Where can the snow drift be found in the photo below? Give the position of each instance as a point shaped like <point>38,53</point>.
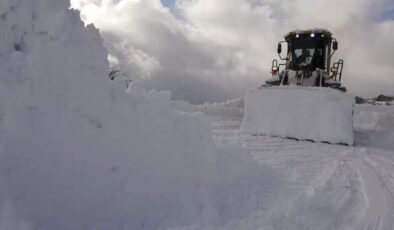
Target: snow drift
<point>79,153</point>
<point>375,126</point>
<point>306,113</point>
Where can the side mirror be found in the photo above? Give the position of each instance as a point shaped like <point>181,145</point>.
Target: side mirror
<point>335,45</point>
<point>279,48</point>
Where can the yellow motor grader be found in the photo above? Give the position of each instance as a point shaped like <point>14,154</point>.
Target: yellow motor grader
<point>304,99</point>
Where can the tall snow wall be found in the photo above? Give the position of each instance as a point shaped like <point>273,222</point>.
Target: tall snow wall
<point>77,152</point>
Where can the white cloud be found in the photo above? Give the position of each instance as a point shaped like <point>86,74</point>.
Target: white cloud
<point>216,50</point>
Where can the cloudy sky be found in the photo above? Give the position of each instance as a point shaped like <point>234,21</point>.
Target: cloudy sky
<point>214,50</point>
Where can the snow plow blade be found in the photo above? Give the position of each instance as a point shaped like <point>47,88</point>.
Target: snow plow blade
<point>304,113</point>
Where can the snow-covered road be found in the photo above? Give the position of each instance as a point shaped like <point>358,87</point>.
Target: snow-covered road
<point>322,186</point>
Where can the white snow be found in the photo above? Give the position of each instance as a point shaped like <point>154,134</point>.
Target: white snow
<point>306,113</point>
<point>78,152</point>
<point>312,30</point>
<point>375,126</point>
<point>322,186</point>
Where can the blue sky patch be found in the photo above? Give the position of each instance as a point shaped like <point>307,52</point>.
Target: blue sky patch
<point>169,3</point>
<point>388,14</point>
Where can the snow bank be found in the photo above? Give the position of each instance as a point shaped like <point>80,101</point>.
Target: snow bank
<point>374,126</point>
<point>318,114</point>
<point>232,109</point>
<point>79,153</point>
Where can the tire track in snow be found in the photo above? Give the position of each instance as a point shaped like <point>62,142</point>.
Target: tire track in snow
<point>313,169</point>
<point>374,171</point>
<point>379,200</point>
<point>385,169</point>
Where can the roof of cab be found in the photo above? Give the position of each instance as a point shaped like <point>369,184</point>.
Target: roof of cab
<point>309,31</point>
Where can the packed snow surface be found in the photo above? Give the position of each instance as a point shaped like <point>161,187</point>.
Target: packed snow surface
<point>306,113</point>
<point>320,186</point>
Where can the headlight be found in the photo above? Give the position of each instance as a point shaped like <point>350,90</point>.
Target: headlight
<point>275,69</point>
<point>334,69</point>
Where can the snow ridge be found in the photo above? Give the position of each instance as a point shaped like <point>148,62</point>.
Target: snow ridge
<point>80,153</point>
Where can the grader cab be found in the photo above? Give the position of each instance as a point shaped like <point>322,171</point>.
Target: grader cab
<point>308,60</point>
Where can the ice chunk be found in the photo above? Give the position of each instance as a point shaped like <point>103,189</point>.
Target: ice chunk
<point>306,113</point>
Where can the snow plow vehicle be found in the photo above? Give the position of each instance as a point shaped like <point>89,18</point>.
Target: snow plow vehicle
<point>305,100</point>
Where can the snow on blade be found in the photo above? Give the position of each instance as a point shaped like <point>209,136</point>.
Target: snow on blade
<point>317,114</point>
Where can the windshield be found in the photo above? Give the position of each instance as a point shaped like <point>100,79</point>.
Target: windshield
<point>307,54</point>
